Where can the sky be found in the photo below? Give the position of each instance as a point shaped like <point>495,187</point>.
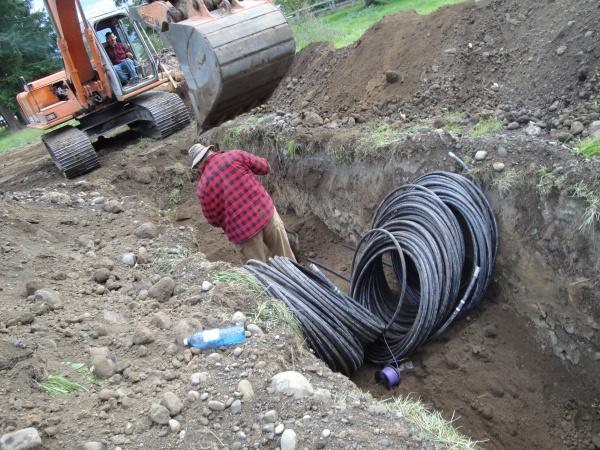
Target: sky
<point>92,8</point>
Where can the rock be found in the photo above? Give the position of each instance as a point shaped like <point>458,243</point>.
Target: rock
<point>246,389</point>
<point>185,328</point>
<point>236,407</point>
<point>216,405</point>
<point>162,290</point>
<point>159,414</point>
<point>93,446</point>
<point>561,50</point>
<point>174,425</point>
<point>502,152</point>
<point>24,439</point>
<point>32,286</point>
<point>498,166</point>
<point>161,320</point>
<point>102,362</point>
<point>146,231</point>
<point>312,119</point>
<point>172,403</point>
<point>199,378</point>
<point>292,383</point>
<point>513,125</point>
<point>576,128</point>
<point>52,298</point>
<point>533,130</point>
<point>206,286</point>
<point>112,206</point>
<point>480,155</point>
<point>255,330</point>
<point>238,318</point>
<point>322,396</point>
<point>289,440</point>
<point>101,275</point>
<point>142,335</point>
<point>128,259</point>
<point>391,76</point>
<point>271,416</point>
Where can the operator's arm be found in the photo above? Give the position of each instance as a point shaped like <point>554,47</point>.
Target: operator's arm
<point>258,165</point>
<point>124,48</point>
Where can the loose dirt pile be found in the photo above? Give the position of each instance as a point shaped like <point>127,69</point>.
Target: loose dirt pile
<point>534,67</point>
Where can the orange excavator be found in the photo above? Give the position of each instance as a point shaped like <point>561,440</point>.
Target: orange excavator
<point>233,55</point>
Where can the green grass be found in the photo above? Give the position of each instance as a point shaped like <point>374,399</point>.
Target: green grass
<point>591,215</point>
<point>59,385</point>
<point>432,424</point>
<point>274,312</point>
<point>347,25</point>
<point>485,127</point>
<point>587,148</point>
<point>10,141</point>
<point>169,260</point>
<point>506,181</point>
<point>239,278</point>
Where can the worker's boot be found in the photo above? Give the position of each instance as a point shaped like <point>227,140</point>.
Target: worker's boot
<point>294,243</point>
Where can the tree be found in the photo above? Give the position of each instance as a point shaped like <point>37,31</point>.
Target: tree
<point>27,48</point>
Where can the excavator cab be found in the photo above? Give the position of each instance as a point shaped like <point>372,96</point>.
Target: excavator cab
<point>130,35</point>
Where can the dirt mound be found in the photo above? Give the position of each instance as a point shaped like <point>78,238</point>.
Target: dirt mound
<point>537,60</point>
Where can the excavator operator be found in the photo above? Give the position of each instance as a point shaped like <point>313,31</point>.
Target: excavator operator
<point>121,57</point>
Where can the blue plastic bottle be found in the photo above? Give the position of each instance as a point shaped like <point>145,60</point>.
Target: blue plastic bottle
<point>216,337</point>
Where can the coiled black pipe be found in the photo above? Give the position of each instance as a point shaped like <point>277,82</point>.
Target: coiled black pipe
<point>442,238</point>
<point>335,326</point>
<point>449,239</point>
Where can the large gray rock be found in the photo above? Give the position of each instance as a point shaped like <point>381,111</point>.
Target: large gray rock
<point>292,383</point>
<point>146,231</point>
<point>162,290</point>
<point>25,439</point>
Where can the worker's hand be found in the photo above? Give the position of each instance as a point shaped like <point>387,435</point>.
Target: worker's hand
<point>129,55</point>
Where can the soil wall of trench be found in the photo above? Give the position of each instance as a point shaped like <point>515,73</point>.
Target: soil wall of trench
<point>547,265</point>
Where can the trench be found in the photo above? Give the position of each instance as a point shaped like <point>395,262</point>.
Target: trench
<point>497,373</point>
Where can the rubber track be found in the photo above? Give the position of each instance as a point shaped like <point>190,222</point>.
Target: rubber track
<point>71,151</point>
<point>167,110</point>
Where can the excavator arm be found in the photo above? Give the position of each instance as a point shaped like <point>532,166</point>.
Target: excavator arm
<point>233,55</point>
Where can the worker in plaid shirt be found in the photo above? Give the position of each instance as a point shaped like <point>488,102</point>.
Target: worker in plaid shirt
<point>232,198</point>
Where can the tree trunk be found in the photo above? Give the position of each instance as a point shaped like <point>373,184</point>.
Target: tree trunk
<point>9,117</point>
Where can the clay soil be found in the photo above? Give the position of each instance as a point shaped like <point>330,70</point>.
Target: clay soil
<point>489,372</point>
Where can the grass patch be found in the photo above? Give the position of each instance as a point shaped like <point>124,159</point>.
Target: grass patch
<point>505,181</point>
<point>485,127</point>
<point>587,148</point>
<point>432,424</point>
<point>453,130</point>
<point>58,385</point>
<point>451,115</point>
<point>591,215</point>
<point>547,181</point>
<point>273,312</point>
<point>12,141</point>
<point>382,135</point>
<point>238,278</point>
<point>293,147</point>
<point>347,25</point>
<point>175,197</point>
<point>170,258</point>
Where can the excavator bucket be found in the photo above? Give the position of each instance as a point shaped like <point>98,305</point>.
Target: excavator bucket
<point>232,58</point>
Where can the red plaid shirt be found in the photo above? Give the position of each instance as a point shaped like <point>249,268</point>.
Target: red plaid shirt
<point>231,196</point>
<point>117,53</point>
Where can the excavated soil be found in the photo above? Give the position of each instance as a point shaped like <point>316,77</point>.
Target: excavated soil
<point>521,371</point>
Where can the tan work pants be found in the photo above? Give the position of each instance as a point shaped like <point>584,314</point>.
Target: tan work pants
<point>273,235</point>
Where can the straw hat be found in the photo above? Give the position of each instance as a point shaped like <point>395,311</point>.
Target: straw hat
<point>197,152</point>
